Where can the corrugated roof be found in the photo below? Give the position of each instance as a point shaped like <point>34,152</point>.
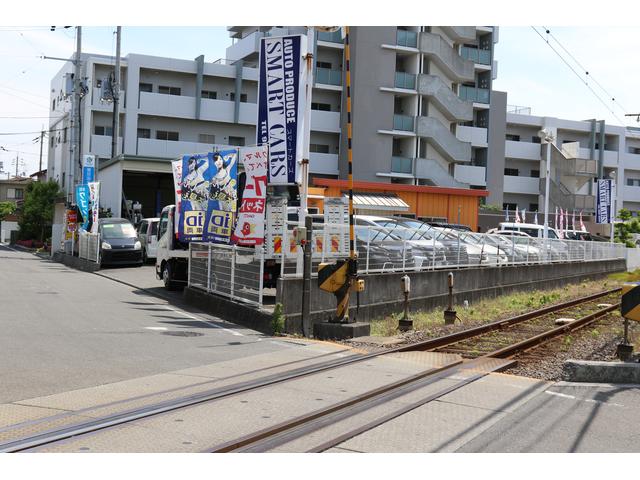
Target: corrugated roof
<point>379,201</point>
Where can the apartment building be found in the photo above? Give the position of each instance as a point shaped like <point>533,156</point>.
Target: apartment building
<point>421,102</point>
<point>582,152</point>
<point>421,98</point>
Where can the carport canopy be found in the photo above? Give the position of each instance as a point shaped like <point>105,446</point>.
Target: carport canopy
<point>379,201</point>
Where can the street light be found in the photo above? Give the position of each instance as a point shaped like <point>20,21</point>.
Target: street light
<point>546,136</point>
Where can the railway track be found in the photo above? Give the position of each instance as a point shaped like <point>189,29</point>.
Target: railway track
<point>475,367</point>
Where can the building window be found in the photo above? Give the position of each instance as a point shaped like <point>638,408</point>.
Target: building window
<point>243,97</point>
<point>323,65</point>
<point>164,135</point>
<point>633,150</point>
<point>570,141</point>
<point>513,138</point>
<point>100,130</point>
<point>144,133</point>
<point>211,95</point>
<point>145,87</point>
<point>63,179</point>
<point>169,90</point>
<point>509,206</point>
<point>236,141</point>
<point>533,207</point>
<point>54,105</point>
<point>64,135</point>
<point>325,107</point>
<point>633,182</point>
<point>52,140</point>
<point>18,194</point>
<point>317,148</point>
<point>206,138</point>
<point>536,139</point>
<point>511,172</point>
<point>535,173</point>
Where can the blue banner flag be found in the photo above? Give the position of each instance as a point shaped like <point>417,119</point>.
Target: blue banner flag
<point>196,178</point>
<point>82,200</point>
<point>603,207</point>
<point>281,102</point>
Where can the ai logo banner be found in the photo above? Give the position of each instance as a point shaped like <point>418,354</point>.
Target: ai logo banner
<point>88,168</point>
<point>281,101</point>
<point>603,207</point>
<point>209,195</point>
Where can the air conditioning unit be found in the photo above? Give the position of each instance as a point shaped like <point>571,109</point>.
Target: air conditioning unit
<point>68,85</point>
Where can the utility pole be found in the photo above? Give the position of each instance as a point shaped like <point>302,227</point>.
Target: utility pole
<point>41,142</point>
<point>115,88</point>
<point>74,157</point>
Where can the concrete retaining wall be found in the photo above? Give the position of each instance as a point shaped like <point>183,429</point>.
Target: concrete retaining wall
<point>601,372</point>
<point>633,259</point>
<point>382,295</point>
<point>76,262</point>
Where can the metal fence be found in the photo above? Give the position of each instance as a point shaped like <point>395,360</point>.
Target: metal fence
<point>227,270</point>
<point>89,246</point>
<point>383,250</point>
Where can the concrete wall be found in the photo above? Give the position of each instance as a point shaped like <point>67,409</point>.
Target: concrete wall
<point>382,295</point>
<point>633,259</point>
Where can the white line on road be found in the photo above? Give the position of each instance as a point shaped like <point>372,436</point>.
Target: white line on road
<point>156,328</point>
<point>587,400</point>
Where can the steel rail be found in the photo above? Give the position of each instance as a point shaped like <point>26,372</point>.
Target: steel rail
<point>51,436</point>
<point>499,324</point>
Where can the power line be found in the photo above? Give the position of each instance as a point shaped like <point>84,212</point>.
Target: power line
<point>32,133</point>
<point>578,75</point>
<point>586,71</point>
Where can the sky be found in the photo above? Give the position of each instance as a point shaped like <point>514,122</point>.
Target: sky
<point>528,69</point>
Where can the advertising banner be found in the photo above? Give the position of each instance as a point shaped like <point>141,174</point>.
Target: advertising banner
<point>88,168</point>
<point>176,168</point>
<point>281,101</point>
<point>194,190</point>
<point>94,204</point>
<point>276,226</point>
<point>250,225</point>
<point>336,220</point>
<point>603,207</point>
<point>70,224</point>
<point>82,199</point>
<point>223,196</point>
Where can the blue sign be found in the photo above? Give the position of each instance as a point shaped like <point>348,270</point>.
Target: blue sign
<point>281,101</point>
<point>209,196</point>
<point>88,168</point>
<point>603,207</point>
<point>82,199</point>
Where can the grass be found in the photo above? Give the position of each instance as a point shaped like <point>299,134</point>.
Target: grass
<point>626,276</point>
<point>493,309</point>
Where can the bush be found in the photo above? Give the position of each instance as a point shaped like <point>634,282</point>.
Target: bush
<point>277,320</point>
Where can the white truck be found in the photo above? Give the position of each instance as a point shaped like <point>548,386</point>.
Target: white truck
<point>172,260</point>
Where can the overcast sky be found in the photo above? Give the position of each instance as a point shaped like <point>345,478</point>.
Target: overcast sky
<point>528,69</point>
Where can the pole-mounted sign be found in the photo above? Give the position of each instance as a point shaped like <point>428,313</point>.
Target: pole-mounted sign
<point>281,101</point>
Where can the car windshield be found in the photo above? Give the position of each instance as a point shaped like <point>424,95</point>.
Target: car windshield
<point>118,230</point>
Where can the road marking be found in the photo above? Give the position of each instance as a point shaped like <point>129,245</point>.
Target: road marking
<point>188,315</point>
<point>588,400</point>
<point>156,328</point>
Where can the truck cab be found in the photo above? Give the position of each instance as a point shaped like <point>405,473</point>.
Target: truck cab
<point>172,258</point>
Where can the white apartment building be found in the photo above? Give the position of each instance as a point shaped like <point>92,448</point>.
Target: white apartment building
<point>582,152</point>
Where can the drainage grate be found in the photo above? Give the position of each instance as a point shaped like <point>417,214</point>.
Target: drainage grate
<point>176,333</point>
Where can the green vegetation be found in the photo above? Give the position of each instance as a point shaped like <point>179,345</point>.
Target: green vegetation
<point>491,208</point>
<point>277,319</point>
<point>624,230</point>
<point>6,209</point>
<point>37,210</point>
<point>489,310</point>
<point>626,276</point>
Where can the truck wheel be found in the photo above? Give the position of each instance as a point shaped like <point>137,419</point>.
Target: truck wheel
<point>167,277</point>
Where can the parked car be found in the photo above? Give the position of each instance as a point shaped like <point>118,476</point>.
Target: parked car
<point>119,243</point>
<point>148,235</point>
<point>451,226</point>
<point>427,252</point>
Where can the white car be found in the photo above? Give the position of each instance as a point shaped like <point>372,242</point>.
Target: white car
<point>148,235</point>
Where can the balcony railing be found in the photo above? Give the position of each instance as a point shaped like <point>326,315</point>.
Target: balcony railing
<point>404,123</point>
<point>401,165</point>
<point>334,37</point>
<point>406,38</point>
<point>328,77</point>
<point>474,94</point>
<point>405,80</point>
<point>476,55</point>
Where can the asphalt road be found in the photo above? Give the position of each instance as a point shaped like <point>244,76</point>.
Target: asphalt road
<point>63,329</point>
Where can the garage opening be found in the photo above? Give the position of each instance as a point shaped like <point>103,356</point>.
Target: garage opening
<point>153,191</point>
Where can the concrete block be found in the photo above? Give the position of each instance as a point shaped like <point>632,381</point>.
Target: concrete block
<point>601,372</point>
<point>340,331</point>
<point>564,321</point>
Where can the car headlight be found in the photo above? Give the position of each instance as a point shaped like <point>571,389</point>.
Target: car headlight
<point>106,246</point>
<point>138,245</point>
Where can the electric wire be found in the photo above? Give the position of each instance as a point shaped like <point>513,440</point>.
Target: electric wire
<point>578,75</point>
<point>586,71</point>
